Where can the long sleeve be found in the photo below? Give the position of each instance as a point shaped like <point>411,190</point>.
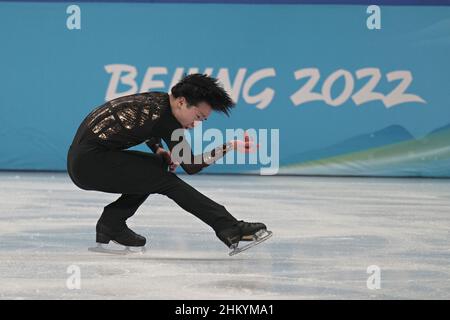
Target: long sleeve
<point>154,143</point>
<point>191,163</point>
<point>124,122</point>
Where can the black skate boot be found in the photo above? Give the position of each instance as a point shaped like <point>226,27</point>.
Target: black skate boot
<point>125,237</point>
<point>243,231</point>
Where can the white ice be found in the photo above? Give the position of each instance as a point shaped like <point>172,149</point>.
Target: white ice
<point>327,232</point>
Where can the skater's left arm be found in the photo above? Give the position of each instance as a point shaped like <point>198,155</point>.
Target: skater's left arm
<point>154,144</point>
<point>193,164</point>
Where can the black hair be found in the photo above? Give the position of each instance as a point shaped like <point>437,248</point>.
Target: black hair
<point>196,88</point>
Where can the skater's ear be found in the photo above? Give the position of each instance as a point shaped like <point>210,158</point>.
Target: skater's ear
<point>180,101</point>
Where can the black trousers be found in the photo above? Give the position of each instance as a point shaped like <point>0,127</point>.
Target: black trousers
<point>136,175</point>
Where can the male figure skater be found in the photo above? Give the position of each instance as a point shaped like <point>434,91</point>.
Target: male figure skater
<point>97,159</point>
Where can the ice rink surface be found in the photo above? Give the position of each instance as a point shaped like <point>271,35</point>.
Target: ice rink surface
<point>327,232</point>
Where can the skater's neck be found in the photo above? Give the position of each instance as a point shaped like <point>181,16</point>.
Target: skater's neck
<point>172,103</point>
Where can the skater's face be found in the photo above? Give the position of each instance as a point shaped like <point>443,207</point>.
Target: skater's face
<point>189,116</point>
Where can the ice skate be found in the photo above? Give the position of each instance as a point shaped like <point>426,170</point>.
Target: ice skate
<point>127,240</point>
<point>244,231</point>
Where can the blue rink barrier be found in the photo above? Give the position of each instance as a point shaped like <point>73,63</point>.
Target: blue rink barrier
<point>346,96</point>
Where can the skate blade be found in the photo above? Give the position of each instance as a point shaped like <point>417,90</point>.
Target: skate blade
<point>102,248</point>
<point>259,237</point>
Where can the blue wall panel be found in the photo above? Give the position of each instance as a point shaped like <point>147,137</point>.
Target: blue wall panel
<point>345,99</point>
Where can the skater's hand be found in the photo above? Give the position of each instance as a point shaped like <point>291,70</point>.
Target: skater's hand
<point>165,154</point>
<point>246,146</point>
<point>173,166</point>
